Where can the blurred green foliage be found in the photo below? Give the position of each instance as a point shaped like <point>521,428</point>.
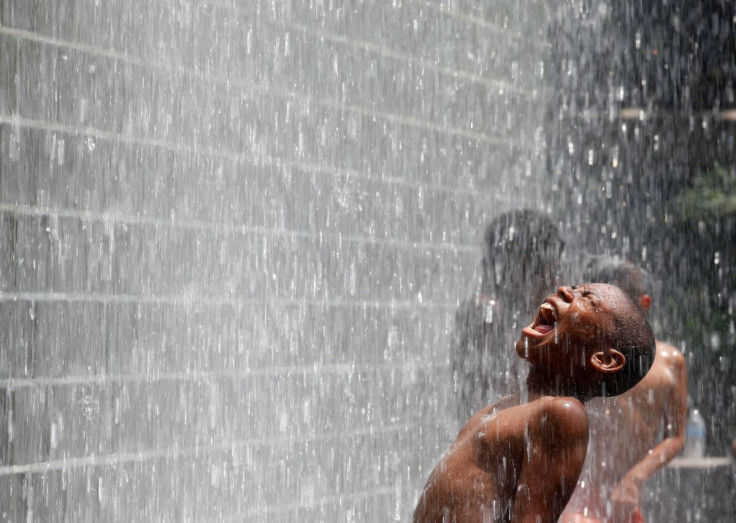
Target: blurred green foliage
<point>711,197</point>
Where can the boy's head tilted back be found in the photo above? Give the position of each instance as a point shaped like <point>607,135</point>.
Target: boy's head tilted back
<point>592,337</point>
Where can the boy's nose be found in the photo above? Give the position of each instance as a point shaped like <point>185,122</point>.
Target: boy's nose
<point>565,292</point>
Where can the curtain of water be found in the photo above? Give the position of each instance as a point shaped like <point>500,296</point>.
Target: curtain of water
<point>233,235</point>
<point>232,239</point>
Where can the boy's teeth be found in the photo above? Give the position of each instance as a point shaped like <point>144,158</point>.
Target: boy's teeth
<point>548,312</point>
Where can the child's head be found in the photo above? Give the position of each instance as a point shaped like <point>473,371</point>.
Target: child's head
<point>521,246</point>
<point>592,335</point>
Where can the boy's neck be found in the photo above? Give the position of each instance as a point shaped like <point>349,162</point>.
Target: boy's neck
<point>539,383</point>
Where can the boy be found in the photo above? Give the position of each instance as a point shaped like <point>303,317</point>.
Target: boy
<point>519,459</point>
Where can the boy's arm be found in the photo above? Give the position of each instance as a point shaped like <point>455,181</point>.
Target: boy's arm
<point>555,451</point>
<point>674,417</point>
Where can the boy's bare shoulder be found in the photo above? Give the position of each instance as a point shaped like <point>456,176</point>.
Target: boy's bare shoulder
<point>670,354</point>
<point>667,371</point>
<point>551,418</point>
<point>563,417</point>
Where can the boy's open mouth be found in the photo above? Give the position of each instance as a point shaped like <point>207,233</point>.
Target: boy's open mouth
<point>545,321</point>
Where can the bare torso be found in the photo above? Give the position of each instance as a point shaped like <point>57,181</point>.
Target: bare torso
<point>492,472</point>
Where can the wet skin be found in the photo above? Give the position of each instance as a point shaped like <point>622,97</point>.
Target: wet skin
<point>520,461</point>
<point>511,462</point>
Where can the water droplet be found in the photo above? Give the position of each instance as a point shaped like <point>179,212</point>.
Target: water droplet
<point>54,436</point>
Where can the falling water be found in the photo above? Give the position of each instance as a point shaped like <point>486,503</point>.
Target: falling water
<point>234,235</point>
<point>640,138</point>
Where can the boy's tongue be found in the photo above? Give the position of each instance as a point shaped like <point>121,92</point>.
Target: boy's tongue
<point>543,329</point>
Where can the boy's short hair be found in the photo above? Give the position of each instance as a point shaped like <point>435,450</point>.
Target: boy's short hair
<point>632,336</point>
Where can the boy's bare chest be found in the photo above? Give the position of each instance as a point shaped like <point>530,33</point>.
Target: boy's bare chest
<point>501,443</point>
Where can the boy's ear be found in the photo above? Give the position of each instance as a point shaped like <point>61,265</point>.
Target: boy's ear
<point>608,361</point>
<point>645,301</point>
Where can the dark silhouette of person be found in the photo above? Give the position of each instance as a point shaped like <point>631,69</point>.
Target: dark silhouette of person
<point>635,434</point>
<point>519,459</point>
<point>521,257</point>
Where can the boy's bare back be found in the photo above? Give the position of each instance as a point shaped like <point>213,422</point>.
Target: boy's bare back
<point>510,462</point>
